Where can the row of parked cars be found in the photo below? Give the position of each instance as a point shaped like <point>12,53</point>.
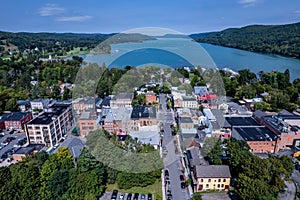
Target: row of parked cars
<point>168,185</point>
<point>135,196</point>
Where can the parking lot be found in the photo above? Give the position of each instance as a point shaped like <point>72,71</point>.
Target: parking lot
<point>8,144</point>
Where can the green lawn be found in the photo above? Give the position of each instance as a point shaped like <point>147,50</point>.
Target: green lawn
<point>155,189</point>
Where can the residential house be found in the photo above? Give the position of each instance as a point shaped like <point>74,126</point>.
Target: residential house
<point>26,151</point>
<point>87,122</point>
<point>143,116</point>
<point>211,177</point>
<point>40,104</point>
<point>121,100</point>
<point>151,97</point>
<point>23,105</point>
<point>189,102</point>
<point>186,123</point>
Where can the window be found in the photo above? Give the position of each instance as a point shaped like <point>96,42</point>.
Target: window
<point>207,185</point>
<point>219,180</point>
<point>209,180</point>
<point>218,186</point>
<point>224,180</point>
<point>201,180</point>
<point>222,185</point>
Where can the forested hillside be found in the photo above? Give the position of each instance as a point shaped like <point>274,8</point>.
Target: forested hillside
<point>275,39</point>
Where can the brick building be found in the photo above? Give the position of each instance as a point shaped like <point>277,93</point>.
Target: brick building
<point>14,120</point>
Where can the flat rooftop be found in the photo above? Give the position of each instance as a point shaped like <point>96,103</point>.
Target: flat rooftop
<point>47,117</point>
<point>241,121</point>
<point>254,134</point>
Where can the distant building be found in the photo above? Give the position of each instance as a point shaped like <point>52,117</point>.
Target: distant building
<point>122,100</point>
<point>23,105</point>
<point>51,125</point>
<point>26,151</point>
<point>211,177</point>
<point>186,123</point>
<point>14,120</point>
<point>39,104</point>
<point>142,116</point>
<point>87,123</point>
<point>87,104</point>
<point>189,102</point>
<point>151,97</point>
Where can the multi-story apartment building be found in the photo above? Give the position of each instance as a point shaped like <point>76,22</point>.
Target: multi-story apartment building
<point>51,125</point>
<point>142,116</point>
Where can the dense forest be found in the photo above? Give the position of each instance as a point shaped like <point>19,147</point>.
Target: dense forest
<point>272,39</point>
<point>61,176</point>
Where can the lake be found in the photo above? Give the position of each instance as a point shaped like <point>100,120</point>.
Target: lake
<point>178,52</point>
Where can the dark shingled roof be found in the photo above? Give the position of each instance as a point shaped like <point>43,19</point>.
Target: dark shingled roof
<point>74,145</point>
<point>241,121</point>
<point>47,117</point>
<point>259,114</point>
<point>212,171</point>
<point>143,112</point>
<point>186,120</point>
<point>14,116</point>
<point>254,134</point>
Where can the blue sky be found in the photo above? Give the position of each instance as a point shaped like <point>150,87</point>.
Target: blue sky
<point>186,16</point>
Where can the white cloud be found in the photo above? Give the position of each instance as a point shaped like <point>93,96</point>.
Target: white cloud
<point>247,3</point>
<point>50,10</point>
<point>74,18</point>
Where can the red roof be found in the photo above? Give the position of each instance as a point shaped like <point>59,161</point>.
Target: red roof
<point>207,97</point>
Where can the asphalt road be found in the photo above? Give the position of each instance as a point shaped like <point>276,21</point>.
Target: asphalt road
<point>171,159</point>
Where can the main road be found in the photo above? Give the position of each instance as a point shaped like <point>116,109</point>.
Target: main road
<point>171,158</point>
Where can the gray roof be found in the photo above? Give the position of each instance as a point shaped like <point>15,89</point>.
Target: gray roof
<point>212,171</point>
<point>194,156</point>
<point>186,120</point>
<point>124,96</point>
<point>143,112</point>
<point>285,112</point>
<point>74,145</point>
<point>259,114</point>
<point>200,90</point>
<point>14,116</point>
<point>188,98</point>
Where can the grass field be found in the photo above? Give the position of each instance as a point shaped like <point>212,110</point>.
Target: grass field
<point>155,189</point>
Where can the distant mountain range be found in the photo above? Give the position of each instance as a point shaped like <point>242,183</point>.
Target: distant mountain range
<point>273,39</point>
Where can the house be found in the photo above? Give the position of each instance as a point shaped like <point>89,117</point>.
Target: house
<point>189,102</point>
<point>39,104</point>
<point>26,151</point>
<point>87,104</point>
<point>151,97</point>
<point>87,122</point>
<point>142,116</point>
<point>50,126</point>
<point>200,90</point>
<point>23,105</point>
<point>121,100</point>
<point>15,120</point>
<point>211,177</point>
<point>186,123</point>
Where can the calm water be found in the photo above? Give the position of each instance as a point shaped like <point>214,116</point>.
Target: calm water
<point>178,52</point>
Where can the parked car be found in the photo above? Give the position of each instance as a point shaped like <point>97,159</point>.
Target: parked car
<point>5,143</point>
<point>143,197</point>
<point>11,138</point>
<point>182,184</point>
<point>129,196</point>
<point>114,195</point>
<point>150,197</point>
<point>166,172</point>
<point>122,196</point>
<point>136,196</point>
<point>181,178</point>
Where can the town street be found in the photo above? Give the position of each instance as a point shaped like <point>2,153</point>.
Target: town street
<point>171,158</point>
